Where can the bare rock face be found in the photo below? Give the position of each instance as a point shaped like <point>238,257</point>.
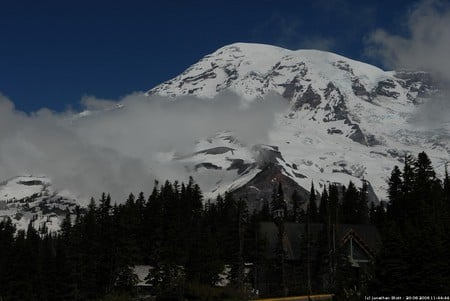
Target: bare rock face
<point>260,188</point>
<point>292,88</point>
<point>309,97</point>
<point>419,84</point>
<point>359,89</point>
<point>386,88</point>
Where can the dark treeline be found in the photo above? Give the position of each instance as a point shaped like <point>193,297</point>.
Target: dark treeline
<point>415,254</point>
<point>171,230</point>
<point>188,241</point>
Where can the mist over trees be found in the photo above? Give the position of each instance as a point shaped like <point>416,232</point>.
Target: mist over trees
<point>188,241</point>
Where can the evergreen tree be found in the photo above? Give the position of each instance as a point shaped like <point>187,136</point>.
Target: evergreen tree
<point>237,268</point>
<point>20,276</point>
<point>278,202</point>
<point>33,247</point>
<point>7,231</point>
<point>408,176</point>
<point>296,202</point>
<point>280,257</point>
<point>265,211</point>
<point>446,201</point>
<point>106,259</point>
<point>186,241</point>
<point>324,207</point>
<point>377,215</point>
<point>350,204</point>
<point>424,172</point>
<point>312,206</point>
<point>363,209</point>
<point>334,204</point>
<point>153,225</point>
<point>412,228</point>
<point>321,265</point>
<point>425,202</point>
<point>446,184</point>
<point>395,192</point>
<point>391,265</point>
<point>91,249</point>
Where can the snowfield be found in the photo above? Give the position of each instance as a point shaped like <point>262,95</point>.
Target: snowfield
<point>347,121</point>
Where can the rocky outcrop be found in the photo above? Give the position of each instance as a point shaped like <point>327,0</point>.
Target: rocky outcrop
<point>292,88</point>
<point>308,97</point>
<point>385,87</point>
<point>359,89</point>
<point>260,188</point>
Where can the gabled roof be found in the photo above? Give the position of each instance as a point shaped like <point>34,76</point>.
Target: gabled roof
<point>367,237</point>
<point>365,246</point>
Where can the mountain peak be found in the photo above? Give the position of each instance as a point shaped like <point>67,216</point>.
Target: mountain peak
<point>347,120</point>
<point>252,70</point>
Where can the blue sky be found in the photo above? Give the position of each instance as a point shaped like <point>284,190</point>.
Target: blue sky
<point>52,53</point>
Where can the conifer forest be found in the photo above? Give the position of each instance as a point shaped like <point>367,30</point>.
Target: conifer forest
<point>187,242</point>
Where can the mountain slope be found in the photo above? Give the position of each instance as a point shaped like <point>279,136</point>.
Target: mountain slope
<point>32,199</point>
<point>347,120</point>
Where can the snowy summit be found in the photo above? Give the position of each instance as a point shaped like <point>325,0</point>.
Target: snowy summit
<point>348,120</point>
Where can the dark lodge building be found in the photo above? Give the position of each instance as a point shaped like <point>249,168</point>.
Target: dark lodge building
<point>294,262</point>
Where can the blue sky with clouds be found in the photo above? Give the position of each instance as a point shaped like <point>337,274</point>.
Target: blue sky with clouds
<point>52,53</point>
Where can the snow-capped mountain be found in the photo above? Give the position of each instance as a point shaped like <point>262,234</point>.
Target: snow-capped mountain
<point>348,121</point>
<point>32,199</point>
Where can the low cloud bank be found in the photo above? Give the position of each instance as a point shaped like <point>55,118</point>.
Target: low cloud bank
<point>121,148</point>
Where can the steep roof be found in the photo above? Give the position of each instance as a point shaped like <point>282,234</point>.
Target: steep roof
<point>367,236</point>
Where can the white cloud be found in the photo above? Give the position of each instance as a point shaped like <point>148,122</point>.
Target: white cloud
<point>118,151</point>
<point>427,48</point>
<point>427,45</point>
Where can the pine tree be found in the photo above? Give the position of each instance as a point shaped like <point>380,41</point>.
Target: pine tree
<point>33,247</point>
<point>312,206</point>
<point>237,268</point>
<point>395,192</point>
<point>334,205</point>
<point>391,264</point>
<point>153,225</point>
<point>281,256</point>
<point>324,207</point>
<point>278,202</point>
<point>350,204</point>
<point>20,278</point>
<point>446,201</point>
<point>7,231</point>
<point>446,184</point>
<point>363,209</point>
<point>106,266</point>
<point>426,189</point>
<point>296,201</point>
<point>423,169</point>
<point>377,215</point>
<point>320,266</point>
<point>265,211</point>
<point>408,176</point>
<point>404,260</point>
<point>91,252</point>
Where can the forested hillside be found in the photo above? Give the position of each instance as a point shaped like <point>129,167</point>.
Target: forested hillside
<point>188,241</point>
